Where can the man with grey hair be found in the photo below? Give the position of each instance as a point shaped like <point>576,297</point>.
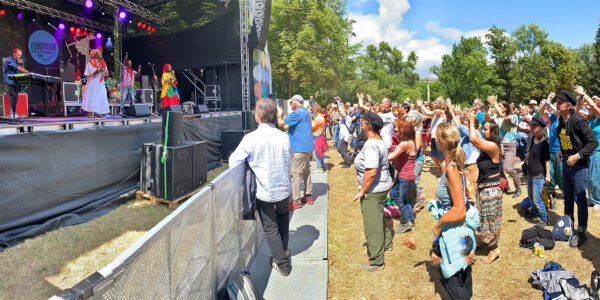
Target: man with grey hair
<point>267,151</point>
<point>302,144</point>
<point>477,110</point>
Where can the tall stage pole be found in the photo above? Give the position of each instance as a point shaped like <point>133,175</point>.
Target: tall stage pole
<point>117,46</point>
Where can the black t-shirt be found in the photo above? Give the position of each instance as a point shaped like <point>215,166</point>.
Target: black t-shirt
<point>538,155</point>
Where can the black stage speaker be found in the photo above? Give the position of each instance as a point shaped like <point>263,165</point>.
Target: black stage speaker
<point>176,173</point>
<point>138,110</point>
<point>149,168</point>
<point>70,92</point>
<point>144,83</point>
<point>67,73</point>
<point>199,162</point>
<point>230,139</point>
<point>202,108</point>
<point>175,132</point>
<point>173,108</point>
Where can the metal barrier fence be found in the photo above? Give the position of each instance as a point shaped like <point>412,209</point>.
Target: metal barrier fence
<point>189,254</point>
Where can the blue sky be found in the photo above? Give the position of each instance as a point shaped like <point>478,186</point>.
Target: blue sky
<point>430,27</point>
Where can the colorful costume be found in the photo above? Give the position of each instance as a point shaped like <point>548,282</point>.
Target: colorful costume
<point>95,98</point>
<point>169,90</point>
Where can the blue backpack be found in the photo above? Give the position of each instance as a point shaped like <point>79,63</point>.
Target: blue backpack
<point>563,229</point>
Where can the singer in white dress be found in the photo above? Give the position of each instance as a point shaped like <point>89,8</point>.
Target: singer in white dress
<point>95,100</point>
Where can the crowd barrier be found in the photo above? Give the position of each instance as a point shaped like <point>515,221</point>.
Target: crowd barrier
<point>188,255</point>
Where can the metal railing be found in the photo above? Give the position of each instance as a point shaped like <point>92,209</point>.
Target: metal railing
<point>189,254</point>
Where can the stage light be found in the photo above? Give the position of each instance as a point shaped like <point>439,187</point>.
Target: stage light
<point>89,3</point>
<point>19,15</point>
<point>61,26</point>
<point>122,15</point>
<point>98,35</point>
<point>139,24</point>
<point>90,34</point>
<point>130,21</point>
<point>78,31</point>
<point>72,29</point>
<point>153,29</point>
<point>149,28</point>
<point>85,32</point>
<point>2,12</point>
<point>144,26</point>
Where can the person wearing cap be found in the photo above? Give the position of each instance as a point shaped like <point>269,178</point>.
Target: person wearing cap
<point>533,108</point>
<point>577,143</point>
<point>302,145</point>
<point>593,187</point>
<point>374,182</point>
<point>538,169</point>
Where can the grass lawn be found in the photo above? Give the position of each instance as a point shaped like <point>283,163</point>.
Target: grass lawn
<point>42,266</point>
<point>408,274</point>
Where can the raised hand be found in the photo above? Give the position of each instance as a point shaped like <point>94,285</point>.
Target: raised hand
<point>579,90</point>
<point>550,97</point>
<point>492,99</point>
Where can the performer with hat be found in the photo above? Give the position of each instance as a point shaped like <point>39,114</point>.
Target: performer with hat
<point>95,100</point>
<point>169,93</point>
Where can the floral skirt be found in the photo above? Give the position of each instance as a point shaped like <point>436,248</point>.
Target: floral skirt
<point>489,204</point>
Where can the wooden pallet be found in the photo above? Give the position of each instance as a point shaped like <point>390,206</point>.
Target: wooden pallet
<point>139,195</point>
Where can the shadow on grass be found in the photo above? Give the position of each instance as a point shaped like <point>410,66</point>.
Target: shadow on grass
<point>435,277</point>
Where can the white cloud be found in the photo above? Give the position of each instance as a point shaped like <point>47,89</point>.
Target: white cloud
<point>387,26</point>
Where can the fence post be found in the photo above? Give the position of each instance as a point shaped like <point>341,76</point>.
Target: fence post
<point>213,252</point>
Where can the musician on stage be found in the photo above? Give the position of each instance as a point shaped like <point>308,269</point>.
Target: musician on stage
<point>95,101</point>
<point>11,86</point>
<point>127,82</point>
<point>169,93</point>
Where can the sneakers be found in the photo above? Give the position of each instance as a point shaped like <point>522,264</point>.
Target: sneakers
<point>308,199</point>
<point>293,205</point>
<point>578,239</point>
<point>404,227</point>
<point>275,266</point>
<point>368,267</point>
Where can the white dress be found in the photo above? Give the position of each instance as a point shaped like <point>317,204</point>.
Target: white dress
<point>95,98</point>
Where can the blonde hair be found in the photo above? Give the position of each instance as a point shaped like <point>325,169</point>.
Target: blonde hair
<point>448,137</point>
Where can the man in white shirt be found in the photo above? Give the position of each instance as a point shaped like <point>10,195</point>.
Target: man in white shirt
<point>268,153</point>
<point>345,136</point>
<point>388,122</point>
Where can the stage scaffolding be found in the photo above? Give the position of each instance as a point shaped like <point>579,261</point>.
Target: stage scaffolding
<point>245,52</point>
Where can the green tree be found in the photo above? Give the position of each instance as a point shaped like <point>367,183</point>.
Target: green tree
<point>594,71</point>
<point>532,76</point>
<point>503,52</point>
<point>563,63</point>
<point>308,44</point>
<point>465,73</point>
<point>584,57</point>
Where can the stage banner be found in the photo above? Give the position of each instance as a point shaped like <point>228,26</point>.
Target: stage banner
<point>43,50</point>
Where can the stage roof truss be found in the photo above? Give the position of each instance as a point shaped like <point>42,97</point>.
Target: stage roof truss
<point>149,3</point>
<point>135,9</point>
<point>44,10</point>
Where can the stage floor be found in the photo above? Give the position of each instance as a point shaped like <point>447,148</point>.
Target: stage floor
<point>42,124</point>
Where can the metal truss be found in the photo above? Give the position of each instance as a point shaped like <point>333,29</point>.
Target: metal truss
<point>135,9</point>
<point>43,10</point>
<point>148,3</point>
<point>245,52</point>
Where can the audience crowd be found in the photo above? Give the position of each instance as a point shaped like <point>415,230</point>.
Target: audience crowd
<point>471,151</point>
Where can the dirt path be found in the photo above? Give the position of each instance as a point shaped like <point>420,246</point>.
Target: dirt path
<point>409,275</point>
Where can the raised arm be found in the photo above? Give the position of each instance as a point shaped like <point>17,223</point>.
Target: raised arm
<point>480,143</point>
<point>590,103</point>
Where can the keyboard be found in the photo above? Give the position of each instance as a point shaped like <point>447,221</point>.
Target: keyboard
<point>39,78</point>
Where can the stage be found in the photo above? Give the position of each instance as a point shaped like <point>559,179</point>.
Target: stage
<point>65,171</point>
<point>37,124</point>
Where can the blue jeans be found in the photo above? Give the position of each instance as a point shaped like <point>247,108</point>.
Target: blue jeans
<point>127,93</point>
<point>336,135</point>
<point>398,193</point>
<point>574,183</point>
<point>353,142</point>
<point>534,191</point>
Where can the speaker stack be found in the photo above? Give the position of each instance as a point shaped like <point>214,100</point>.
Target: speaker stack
<point>176,170</point>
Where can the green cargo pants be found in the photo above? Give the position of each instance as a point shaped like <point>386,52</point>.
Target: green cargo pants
<point>378,235</point>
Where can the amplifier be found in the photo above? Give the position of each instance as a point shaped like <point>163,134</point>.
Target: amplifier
<point>70,92</point>
<point>144,96</point>
<point>230,139</point>
<point>199,163</point>
<point>22,106</point>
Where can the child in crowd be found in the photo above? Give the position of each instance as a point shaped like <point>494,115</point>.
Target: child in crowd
<point>538,169</point>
